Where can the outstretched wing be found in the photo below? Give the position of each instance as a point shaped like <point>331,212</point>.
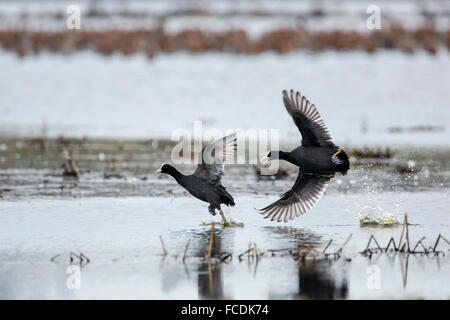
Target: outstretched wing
<point>308,120</point>
<point>213,158</point>
<point>306,192</point>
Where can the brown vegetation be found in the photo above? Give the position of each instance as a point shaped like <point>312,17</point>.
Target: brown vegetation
<point>281,41</point>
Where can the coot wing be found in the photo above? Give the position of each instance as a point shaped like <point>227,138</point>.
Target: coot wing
<point>305,193</point>
<point>213,157</point>
<point>308,120</point>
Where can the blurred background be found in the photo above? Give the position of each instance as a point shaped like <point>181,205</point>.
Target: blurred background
<point>141,69</point>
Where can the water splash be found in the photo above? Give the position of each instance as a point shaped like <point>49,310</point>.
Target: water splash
<point>376,215</point>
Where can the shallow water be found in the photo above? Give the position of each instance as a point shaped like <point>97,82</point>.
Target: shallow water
<point>116,220</point>
<point>120,237</point>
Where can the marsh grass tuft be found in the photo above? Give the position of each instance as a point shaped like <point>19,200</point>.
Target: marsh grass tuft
<point>403,245</point>
<point>229,223</point>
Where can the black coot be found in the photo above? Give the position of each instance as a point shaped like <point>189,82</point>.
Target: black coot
<point>318,159</point>
<point>205,184</point>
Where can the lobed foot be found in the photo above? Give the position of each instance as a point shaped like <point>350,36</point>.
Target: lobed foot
<point>225,222</point>
<point>212,210</point>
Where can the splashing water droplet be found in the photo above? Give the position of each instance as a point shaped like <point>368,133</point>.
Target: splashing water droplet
<point>376,215</point>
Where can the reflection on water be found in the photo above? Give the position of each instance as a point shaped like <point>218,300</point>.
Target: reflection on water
<point>132,266</point>
<point>210,277</point>
<point>291,236</point>
<point>208,271</point>
<point>210,281</point>
<point>315,277</point>
<point>316,281</point>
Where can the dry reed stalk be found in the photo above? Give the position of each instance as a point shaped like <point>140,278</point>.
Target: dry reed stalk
<point>389,244</point>
<point>243,253</point>
<point>210,276</point>
<point>298,251</point>
<point>407,232</point>
<point>224,257</point>
<point>324,250</point>
<point>72,164</point>
<point>448,242</point>
<point>418,242</point>
<point>405,279</point>
<point>436,243</point>
<point>375,240</point>
<point>163,246</point>
<point>186,249</point>
<point>345,243</point>
<point>54,257</point>
<point>208,255</point>
<point>424,249</point>
<point>403,231</point>
<point>72,254</point>
<point>85,258</point>
<point>402,249</point>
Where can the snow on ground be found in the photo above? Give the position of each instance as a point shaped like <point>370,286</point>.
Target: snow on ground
<point>221,15</point>
<point>86,94</point>
<point>221,6</point>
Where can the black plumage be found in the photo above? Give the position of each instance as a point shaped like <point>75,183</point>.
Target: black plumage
<point>205,184</point>
<point>318,159</point>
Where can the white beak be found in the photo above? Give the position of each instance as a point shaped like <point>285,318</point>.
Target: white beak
<point>265,161</point>
<point>158,171</point>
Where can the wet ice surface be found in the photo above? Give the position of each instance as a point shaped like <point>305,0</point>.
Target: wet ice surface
<point>116,220</point>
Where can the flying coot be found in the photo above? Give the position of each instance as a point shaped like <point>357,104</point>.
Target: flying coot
<point>205,184</point>
<point>318,159</point>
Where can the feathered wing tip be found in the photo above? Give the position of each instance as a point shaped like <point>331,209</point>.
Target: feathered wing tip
<point>230,146</point>
<point>304,195</point>
<point>307,118</point>
<point>213,158</point>
<point>221,150</point>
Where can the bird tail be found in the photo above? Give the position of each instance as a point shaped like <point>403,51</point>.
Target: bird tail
<point>344,164</point>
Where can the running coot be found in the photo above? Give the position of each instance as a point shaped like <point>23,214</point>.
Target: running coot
<point>205,184</point>
<point>318,159</point>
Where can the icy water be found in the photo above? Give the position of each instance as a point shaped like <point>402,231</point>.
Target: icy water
<point>364,98</point>
<point>116,212</point>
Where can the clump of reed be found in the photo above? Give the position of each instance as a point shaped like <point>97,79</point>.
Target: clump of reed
<point>210,256</point>
<point>302,252</point>
<point>283,40</point>
<point>404,245</point>
<point>372,153</point>
<point>74,258</point>
<point>279,175</point>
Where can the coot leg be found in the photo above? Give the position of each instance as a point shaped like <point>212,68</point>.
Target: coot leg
<point>211,210</point>
<point>224,220</point>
